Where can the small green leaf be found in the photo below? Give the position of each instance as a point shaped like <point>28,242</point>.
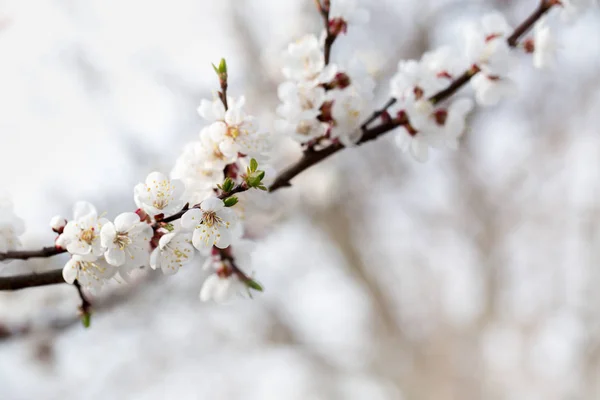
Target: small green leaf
<point>252,284</point>
<point>230,201</point>
<point>260,175</point>
<point>223,66</point>
<point>86,320</point>
<point>215,68</point>
<point>253,165</point>
<point>261,187</point>
<point>169,227</point>
<point>228,185</point>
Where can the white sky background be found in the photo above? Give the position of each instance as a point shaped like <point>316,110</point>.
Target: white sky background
<point>95,94</point>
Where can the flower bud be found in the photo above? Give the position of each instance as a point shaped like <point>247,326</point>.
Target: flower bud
<point>57,223</point>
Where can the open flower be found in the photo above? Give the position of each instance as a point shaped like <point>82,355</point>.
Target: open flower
<point>82,234</point>
<point>127,242</point>
<point>11,226</point>
<point>221,288</point>
<point>213,224</point>
<point>90,271</point>
<point>159,195</point>
<point>304,59</point>
<point>174,250</point>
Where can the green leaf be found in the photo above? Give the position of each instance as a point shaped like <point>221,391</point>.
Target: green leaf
<point>86,320</point>
<point>253,165</point>
<point>228,185</point>
<point>169,227</point>
<point>252,284</point>
<point>260,175</point>
<point>223,66</point>
<point>230,201</point>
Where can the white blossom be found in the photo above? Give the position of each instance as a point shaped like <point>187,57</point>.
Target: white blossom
<point>221,288</point>
<point>174,250</point>
<point>57,223</point>
<point>304,59</point>
<point>348,111</point>
<point>200,168</point>
<point>127,242</point>
<point>90,271</point>
<point>82,234</point>
<point>224,282</point>
<point>160,195</point>
<point>489,90</point>
<point>488,49</point>
<point>544,47</point>
<point>233,131</point>
<point>213,224</point>
<point>11,226</point>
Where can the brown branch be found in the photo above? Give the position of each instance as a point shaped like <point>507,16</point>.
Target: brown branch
<point>378,113</point>
<point>330,37</point>
<point>17,282</point>
<point>27,254</point>
<point>85,308</point>
<point>238,189</point>
<point>512,40</point>
<point>310,158</point>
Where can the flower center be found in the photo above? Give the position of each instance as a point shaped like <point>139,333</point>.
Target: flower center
<point>161,201</point>
<point>88,235</point>
<point>211,218</point>
<point>122,240</point>
<point>233,131</point>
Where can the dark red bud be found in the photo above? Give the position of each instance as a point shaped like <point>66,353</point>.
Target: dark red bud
<point>337,26</point>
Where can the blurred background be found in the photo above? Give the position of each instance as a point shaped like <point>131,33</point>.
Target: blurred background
<point>473,276</point>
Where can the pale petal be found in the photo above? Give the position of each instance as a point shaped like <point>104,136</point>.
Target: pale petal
<point>83,209</point>
<point>115,256</point>
<point>154,178</point>
<point>108,234</point>
<point>155,259</point>
<point>212,204</point>
<point>70,271</point>
<point>166,239</point>
<point>208,287</point>
<point>126,221</point>
<point>78,247</point>
<point>191,219</point>
<point>224,238</point>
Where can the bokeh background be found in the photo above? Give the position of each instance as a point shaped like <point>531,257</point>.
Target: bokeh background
<point>473,276</point>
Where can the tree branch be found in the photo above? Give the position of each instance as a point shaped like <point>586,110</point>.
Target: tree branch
<point>308,159</point>
<point>17,282</point>
<point>27,254</point>
<point>311,157</point>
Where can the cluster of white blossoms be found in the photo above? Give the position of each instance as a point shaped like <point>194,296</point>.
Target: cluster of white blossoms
<point>488,60</point>
<point>197,208</point>
<point>193,210</point>
<point>11,226</point>
<point>321,101</point>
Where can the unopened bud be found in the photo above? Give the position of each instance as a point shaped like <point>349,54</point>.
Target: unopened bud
<point>337,26</point>
<point>57,223</point>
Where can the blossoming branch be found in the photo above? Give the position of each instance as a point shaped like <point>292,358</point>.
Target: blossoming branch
<point>326,106</point>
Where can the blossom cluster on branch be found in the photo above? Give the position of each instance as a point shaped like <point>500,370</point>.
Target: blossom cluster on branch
<point>325,106</point>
